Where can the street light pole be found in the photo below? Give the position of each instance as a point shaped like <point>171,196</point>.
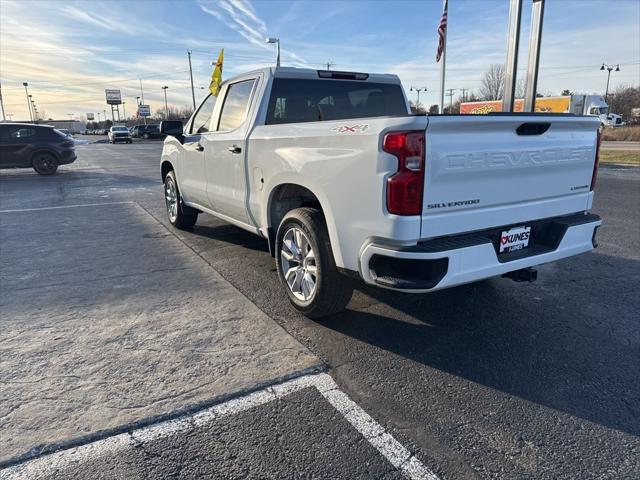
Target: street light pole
<point>277,42</point>
<point>418,90</point>
<point>33,108</point>
<point>124,111</point>
<point>28,99</point>
<point>608,68</point>
<point>166,107</point>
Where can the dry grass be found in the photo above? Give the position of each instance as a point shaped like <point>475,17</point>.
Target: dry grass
<point>621,134</point>
<point>624,157</point>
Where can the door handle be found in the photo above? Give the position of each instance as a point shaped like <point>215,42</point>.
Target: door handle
<point>200,148</point>
<point>235,149</point>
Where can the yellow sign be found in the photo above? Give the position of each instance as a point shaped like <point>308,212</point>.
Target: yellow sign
<point>543,104</point>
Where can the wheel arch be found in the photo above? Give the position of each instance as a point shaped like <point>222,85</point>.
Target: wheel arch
<point>289,195</point>
<point>50,151</point>
<point>165,167</point>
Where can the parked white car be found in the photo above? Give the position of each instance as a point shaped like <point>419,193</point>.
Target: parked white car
<point>344,183</point>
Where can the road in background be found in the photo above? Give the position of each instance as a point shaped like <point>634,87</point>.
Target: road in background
<point>488,380</point>
<point>620,146</point>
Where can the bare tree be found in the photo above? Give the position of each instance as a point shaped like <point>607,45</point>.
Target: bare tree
<point>623,99</point>
<point>521,85</point>
<point>493,83</point>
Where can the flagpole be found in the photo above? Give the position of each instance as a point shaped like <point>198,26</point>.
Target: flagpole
<point>444,60</point>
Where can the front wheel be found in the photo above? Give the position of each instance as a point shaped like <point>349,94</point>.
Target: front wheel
<point>44,163</point>
<point>179,215</point>
<point>306,265</point>
<point>146,136</point>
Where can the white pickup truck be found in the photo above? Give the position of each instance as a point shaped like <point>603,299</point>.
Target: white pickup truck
<point>345,183</point>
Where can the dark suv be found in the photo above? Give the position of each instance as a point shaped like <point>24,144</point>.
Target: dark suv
<point>146,131</point>
<point>38,146</point>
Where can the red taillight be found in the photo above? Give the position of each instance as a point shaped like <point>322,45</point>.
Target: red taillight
<point>404,188</point>
<point>595,165</point>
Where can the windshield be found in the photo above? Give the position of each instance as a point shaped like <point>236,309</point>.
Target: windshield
<point>60,132</point>
<point>119,129</point>
<point>599,110</point>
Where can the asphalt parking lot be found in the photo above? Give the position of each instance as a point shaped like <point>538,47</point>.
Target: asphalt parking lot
<point>111,322</point>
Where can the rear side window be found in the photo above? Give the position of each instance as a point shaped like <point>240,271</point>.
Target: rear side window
<point>300,100</point>
<point>236,103</point>
<point>22,132</point>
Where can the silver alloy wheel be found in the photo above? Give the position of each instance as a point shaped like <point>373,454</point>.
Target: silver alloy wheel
<point>299,264</point>
<point>171,198</point>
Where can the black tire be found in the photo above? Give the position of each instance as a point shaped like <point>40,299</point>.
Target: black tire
<point>44,163</point>
<point>332,290</point>
<point>182,217</point>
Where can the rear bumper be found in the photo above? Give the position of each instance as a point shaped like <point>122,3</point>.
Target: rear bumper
<point>450,261</point>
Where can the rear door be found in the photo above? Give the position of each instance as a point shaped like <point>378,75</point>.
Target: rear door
<point>226,150</point>
<point>16,145</point>
<point>488,171</point>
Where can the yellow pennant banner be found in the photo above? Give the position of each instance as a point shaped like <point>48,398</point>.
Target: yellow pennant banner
<point>216,76</point>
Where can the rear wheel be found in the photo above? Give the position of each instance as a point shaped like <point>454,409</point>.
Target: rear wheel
<point>180,216</point>
<point>306,266</point>
<point>146,136</point>
<point>44,163</point>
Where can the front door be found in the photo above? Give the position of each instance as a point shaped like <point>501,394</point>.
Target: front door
<point>192,176</point>
<point>225,152</point>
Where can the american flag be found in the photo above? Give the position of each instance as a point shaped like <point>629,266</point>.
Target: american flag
<point>442,28</point>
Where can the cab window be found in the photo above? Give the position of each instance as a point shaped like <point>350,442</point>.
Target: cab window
<point>236,104</point>
<point>201,120</point>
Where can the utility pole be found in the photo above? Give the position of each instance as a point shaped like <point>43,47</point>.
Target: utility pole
<point>329,64</point>
<point>2,105</point>
<point>25,84</point>
<point>464,93</point>
<point>608,68</point>
<point>193,93</point>
<point>166,107</point>
<point>450,95</point>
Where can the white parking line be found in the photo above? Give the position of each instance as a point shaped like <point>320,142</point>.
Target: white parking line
<point>49,465</point>
<point>63,206</point>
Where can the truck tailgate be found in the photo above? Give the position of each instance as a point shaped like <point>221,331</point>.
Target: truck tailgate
<point>488,171</point>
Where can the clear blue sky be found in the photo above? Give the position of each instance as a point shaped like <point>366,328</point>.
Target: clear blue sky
<point>69,52</point>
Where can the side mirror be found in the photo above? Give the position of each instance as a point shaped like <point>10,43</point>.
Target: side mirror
<point>171,127</point>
